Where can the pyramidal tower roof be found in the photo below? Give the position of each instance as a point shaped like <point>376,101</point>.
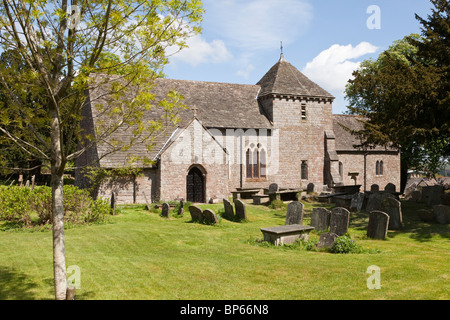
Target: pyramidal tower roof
<point>285,79</point>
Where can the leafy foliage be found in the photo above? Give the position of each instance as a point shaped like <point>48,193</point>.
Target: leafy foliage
<point>26,207</point>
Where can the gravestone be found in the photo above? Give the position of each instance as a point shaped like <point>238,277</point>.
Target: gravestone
<point>113,203</point>
<point>378,225</point>
<point>426,215</point>
<point>196,213</point>
<point>339,220</point>
<point>294,214</point>
<point>390,187</point>
<point>357,202</point>
<point>442,213</point>
<point>210,217</point>
<point>273,187</point>
<point>310,187</point>
<point>327,240</point>
<point>165,210</point>
<point>374,202</point>
<point>229,210</point>
<point>180,208</point>
<point>393,208</point>
<point>320,219</point>
<point>374,188</point>
<point>241,212</point>
<point>416,195</point>
<point>434,196</point>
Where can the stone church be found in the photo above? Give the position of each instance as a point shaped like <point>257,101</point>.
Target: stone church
<point>281,130</point>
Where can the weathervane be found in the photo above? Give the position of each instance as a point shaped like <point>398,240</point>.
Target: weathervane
<point>281,46</point>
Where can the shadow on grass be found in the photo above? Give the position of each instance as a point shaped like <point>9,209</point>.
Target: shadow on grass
<point>418,230</point>
<point>15,285</point>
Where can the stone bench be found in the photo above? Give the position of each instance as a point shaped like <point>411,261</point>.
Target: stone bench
<point>257,198</point>
<point>286,234</point>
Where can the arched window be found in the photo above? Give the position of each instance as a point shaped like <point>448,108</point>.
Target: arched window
<point>379,170</point>
<point>256,158</point>
<point>341,170</point>
<point>304,170</point>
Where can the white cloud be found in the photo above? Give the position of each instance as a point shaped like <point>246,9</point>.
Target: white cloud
<point>200,51</point>
<point>245,73</point>
<point>260,24</point>
<point>332,68</point>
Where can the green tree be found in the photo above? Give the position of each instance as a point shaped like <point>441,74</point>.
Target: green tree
<point>61,42</point>
<point>404,95</point>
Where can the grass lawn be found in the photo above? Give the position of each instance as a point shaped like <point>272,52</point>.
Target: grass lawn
<point>140,255</point>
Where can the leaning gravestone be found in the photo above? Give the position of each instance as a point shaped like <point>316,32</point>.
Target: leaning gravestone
<point>442,213</point>
<point>196,213</point>
<point>229,210</point>
<point>241,212</point>
<point>210,217</point>
<point>165,210</point>
<point>378,225</point>
<point>393,208</point>
<point>327,240</point>
<point>357,201</point>
<point>339,220</point>
<point>320,219</point>
<point>294,214</point>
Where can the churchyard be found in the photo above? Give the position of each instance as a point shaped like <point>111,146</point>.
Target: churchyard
<point>150,254</point>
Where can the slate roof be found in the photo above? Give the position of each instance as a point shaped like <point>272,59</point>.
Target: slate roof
<point>345,141</point>
<point>284,78</point>
<point>219,105</point>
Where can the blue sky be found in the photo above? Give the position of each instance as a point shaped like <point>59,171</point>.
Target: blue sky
<point>324,39</point>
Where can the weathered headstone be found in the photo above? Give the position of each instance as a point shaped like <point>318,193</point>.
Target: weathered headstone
<point>378,225</point>
<point>416,195</point>
<point>393,208</point>
<point>165,210</point>
<point>327,240</point>
<point>196,213</point>
<point>310,187</point>
<point>113,204</point>
<point>442,213</point>
<point>390,187</point>
<point>180,208</point>
<point>210,216</point>
<point>294,214</point>
<point>241,212</point>
<point>320,219</point>
<point>229,210</point>
<point>434,197</point>
<point>375,201</point>
<point>374,188</point>
<point>339,220</point>
<point>357,201</point>
<point>273,187</point>
<point>426,215</point>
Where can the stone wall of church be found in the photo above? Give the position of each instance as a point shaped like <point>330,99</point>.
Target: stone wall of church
<point>194,147</point>
<point>354,162</point>
<point>302,123</point>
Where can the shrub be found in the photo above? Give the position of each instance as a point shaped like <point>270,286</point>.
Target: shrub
<point>277,204</point>
<point>18,205</point>
<point>344,244</point>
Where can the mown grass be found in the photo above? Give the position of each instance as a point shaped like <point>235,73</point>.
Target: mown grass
<point>138,254</point>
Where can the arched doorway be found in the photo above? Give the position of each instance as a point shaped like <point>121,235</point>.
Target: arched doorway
<point>195,185</point>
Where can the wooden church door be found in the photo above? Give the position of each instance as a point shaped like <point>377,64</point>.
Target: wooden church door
<point>195,186</point>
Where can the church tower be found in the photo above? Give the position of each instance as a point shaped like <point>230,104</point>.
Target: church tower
<point>302,111</point>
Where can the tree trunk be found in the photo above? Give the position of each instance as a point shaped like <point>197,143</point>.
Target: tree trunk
<point>57,171</point>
